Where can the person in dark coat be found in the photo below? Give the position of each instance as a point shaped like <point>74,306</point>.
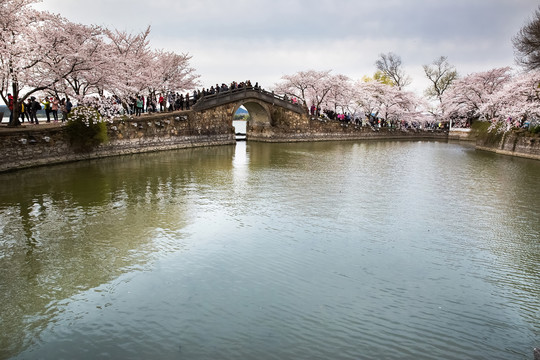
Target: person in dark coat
<point>34,107</point>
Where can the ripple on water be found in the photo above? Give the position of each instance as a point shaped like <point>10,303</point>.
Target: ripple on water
<point>306,251</point>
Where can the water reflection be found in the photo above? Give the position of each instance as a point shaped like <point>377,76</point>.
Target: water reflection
<point>332,250</point>
<point>69,228</point>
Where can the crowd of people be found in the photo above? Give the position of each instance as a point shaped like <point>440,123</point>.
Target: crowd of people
<point>224,87</point>
<point>174,101</point>
<point>169,101</point>
<point>373,120</point>
<point>113,105</point>
<point>27,110</point>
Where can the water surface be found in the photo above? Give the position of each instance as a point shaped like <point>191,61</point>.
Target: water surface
<point>330,250</point>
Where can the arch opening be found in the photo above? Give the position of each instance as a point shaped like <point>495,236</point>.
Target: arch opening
<point>257,117</point>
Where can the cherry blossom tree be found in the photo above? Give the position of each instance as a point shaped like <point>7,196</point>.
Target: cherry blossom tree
<point>135,69</point>
<point>41,51</point>
<point>132,58</point>
<point>22,48</point>
<point>83,63</point>
<point>369,96</point>
<point>465,100</point>
<point>394,106</point>
<point>171,72</point>
<point>44,52</point>
<point>517,102</point>
<point>340,95</point>
<point>314,87</point>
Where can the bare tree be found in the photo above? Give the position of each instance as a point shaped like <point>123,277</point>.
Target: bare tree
<point>441,74</point>
<point>527,44</point>
<point>390,65</point>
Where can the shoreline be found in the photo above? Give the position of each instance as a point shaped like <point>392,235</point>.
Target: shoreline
<point>30,145</point>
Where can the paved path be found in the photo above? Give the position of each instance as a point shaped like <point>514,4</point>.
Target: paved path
<point>4,128</point>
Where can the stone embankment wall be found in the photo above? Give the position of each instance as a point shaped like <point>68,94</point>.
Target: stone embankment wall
<point>462,134</point>
<point>292,127</point>
<point>514,143</point>
<point>39,145</point>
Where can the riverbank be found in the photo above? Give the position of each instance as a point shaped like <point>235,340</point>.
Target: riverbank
<point>46,144</point>
<point>32,145</point>
<point>520,143</point>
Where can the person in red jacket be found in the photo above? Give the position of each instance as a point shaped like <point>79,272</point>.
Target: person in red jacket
<point>161,102</point>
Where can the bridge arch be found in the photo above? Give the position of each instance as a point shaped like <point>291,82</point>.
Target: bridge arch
<point>259,113</point>
<point>272,117</point>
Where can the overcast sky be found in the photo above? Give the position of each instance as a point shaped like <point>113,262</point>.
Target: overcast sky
<point>264,40</point>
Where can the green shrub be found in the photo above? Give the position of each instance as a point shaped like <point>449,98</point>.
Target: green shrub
<point>535,129</point>
<point>85,130</point>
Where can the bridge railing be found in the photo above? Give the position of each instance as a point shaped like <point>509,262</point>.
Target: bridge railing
<point>225,93</point>
<point>231,95</point>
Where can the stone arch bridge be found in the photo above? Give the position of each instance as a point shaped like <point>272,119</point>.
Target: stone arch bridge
<point>272,117</point>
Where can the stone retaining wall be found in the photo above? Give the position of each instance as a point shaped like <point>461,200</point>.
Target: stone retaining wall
<point>302,128</point>
<point>462,134</point>
<point>515,143</point>
<point>39,145</point>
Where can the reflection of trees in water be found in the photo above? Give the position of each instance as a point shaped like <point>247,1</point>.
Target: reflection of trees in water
<point>70,228</point>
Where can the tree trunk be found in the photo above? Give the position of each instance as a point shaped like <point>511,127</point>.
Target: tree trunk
<point>15,117</point>
<point>15,111</point>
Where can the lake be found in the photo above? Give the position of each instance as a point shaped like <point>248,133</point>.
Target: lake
<point>326,250</point>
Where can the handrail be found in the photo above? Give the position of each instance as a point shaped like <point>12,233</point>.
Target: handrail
<point>224,93</point>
